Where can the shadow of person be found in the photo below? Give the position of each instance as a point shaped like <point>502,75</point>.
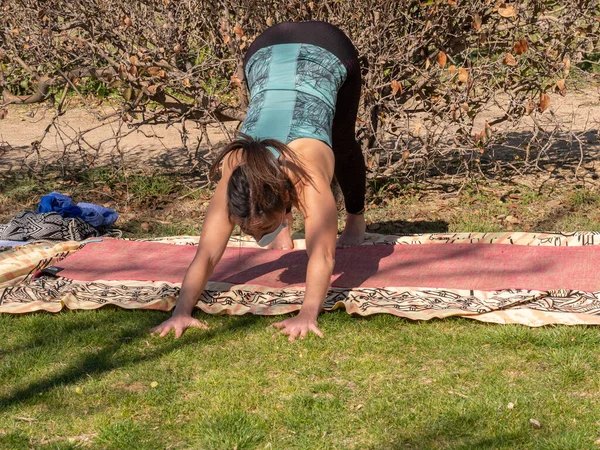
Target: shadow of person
<point>353,266</point>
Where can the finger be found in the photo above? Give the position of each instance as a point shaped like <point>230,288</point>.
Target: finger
<point>316,330</point>
<point>166,330</point>
<point>278,324</point>
<point>285,331</point>
<point>293,335</point>
<point>303,333</point>
<point>197,324</point>
<point>178,332</point>
<point>200,325</point>
<point>157,329</point>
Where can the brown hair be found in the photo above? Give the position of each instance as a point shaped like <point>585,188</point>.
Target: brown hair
<point>258,188</point>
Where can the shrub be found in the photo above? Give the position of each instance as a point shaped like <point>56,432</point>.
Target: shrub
<point>430,67</point>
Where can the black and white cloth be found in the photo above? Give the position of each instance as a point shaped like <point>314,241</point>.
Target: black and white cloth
<point>29,225</point>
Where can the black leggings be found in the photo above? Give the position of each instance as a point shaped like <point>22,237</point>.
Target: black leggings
<point>350,168</point>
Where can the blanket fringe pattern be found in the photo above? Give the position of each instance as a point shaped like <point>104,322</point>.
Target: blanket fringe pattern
<point>20,292</point>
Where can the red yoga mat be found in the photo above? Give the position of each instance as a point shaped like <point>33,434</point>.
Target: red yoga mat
<point>453,266</point>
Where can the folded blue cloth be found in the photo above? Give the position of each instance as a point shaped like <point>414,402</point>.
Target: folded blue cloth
<point>97,215</point>
<point>62,204</point>
<point>93,214</point>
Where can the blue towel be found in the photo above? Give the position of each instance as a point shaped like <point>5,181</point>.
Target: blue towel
<point>62,204</point>
<point>93,214</point>
<point>97,215</point>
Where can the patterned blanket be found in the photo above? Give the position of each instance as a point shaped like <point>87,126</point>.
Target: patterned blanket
<point>21,291</point>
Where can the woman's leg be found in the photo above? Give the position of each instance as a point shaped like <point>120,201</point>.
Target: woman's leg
<point>350,169</point>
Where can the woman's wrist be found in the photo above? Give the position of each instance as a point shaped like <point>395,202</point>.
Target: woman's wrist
<point>310,310</point>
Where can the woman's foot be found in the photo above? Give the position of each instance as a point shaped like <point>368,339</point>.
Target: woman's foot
<point>284,241</point>
<point>354,232</point>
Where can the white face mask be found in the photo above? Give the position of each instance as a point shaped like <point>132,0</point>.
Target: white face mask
<point>270,237</point>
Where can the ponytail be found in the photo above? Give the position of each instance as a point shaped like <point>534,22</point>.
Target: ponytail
<point>258,188</point>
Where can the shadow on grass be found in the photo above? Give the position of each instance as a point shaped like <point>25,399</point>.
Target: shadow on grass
<point>465,429</point>
<point>135,328</point>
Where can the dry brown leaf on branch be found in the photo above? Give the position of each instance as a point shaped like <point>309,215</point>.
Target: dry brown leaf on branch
<point>226,38</point>
<point>396,87</point>
<point>530,107</point>
<point>477,22</point>
<point>442,59</point>
<point>238,31</point>
<point>187,83</point>
<point>508,11</point>
<point>544,102</point>
<point>236,81</point>
<point>452,69</point>
<point>488,130</point>
<point>151,90</point>
<point>463,75</point>
<point>567,63</point>
<point>520,46</point>
<point>479,137</point>
<point>134,60</point>
<point>177,48</point>
<point>560,85</point>
<point>427,64</point>
<point>154,71</point>
<point>509,60</point>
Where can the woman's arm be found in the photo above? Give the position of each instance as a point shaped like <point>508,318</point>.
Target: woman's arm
<point>216,231</point>
<point>317,204</point>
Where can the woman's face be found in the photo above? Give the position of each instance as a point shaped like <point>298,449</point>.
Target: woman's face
<point>263,229</point>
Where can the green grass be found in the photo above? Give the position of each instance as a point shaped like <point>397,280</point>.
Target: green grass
<point>96,379</point>
<point>584,197</point>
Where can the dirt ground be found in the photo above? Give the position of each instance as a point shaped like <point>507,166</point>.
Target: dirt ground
<point>535,199</point>
<point>160,147</point>
<point>151,146</point>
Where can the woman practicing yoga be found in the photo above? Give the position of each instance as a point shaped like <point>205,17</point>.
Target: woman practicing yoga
<point>304,81</point>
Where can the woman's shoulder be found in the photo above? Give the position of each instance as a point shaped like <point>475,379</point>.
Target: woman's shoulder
<point>316,157</point>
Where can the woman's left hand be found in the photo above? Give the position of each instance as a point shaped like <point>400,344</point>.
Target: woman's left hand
<point>298,326</point>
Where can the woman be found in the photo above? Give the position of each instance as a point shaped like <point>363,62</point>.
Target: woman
<point>304,81</point>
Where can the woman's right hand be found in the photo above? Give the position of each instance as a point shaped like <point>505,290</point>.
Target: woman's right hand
<point>178,324</point>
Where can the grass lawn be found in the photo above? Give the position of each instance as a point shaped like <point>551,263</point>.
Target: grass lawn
<point>97,379</point>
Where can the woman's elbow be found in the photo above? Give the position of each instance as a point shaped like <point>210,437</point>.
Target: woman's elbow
<point>325,259</point>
